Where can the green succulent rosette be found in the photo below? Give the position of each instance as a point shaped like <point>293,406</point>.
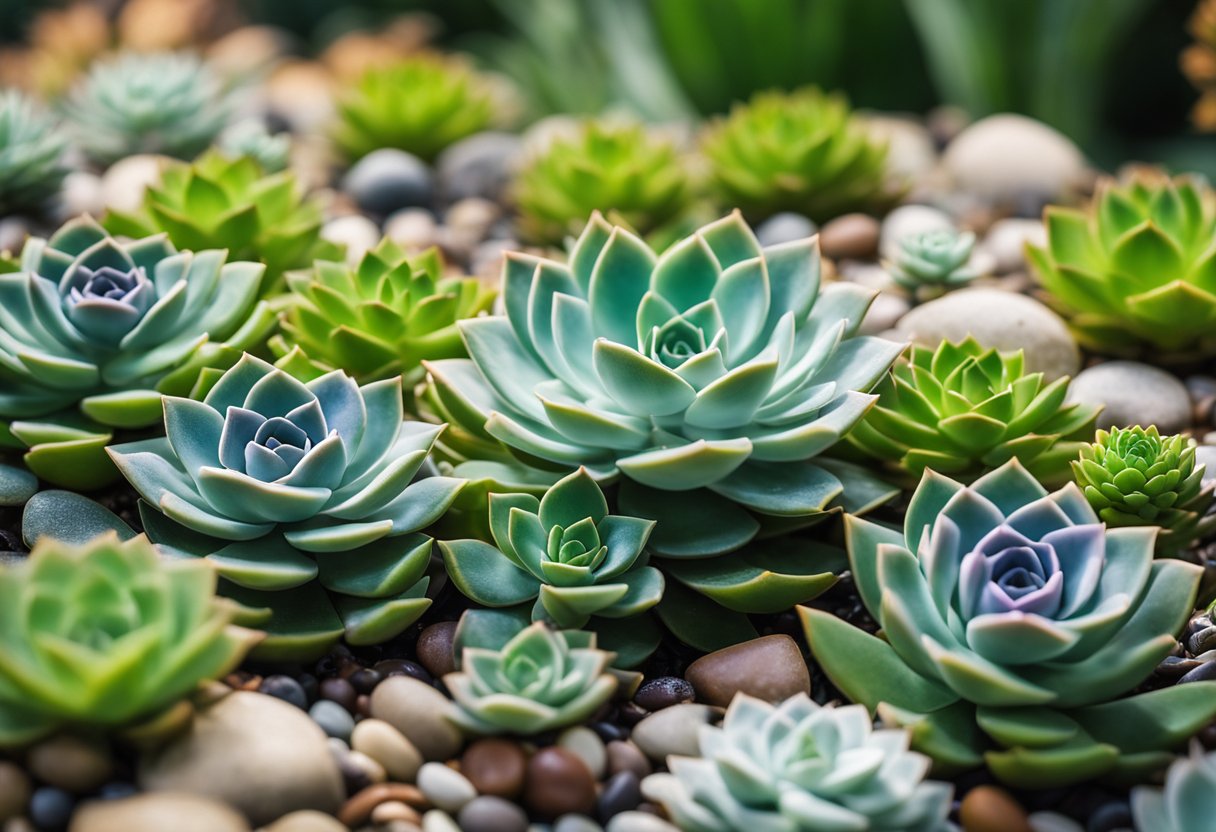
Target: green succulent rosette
<point>1186,802</point>
<point>1013,622</point>
<point>798,766</point>
<point>1135,274</point>
<point>230,203</point>
<point>421,104</point>
<point>614,167</point>
<point>933,261</point>
<point>106,634</point>
<point>1135,477</point>
<point>801,151</point>
<point>309,498</point>
<point>93,331</point>
<point>381,318</point>
<point>31,156</point>
<point>962,410</point>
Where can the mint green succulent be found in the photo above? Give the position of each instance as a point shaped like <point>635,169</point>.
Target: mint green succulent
<point>31,156</point>
<point>540,680</point>
<point>104,635</point>
<point>166,103</point>
<point>933,261</point>
<point>272,152</point>
<point>309,499</point>
<point>94,330</point>
<point>1187,801</point>
<point>1014,623</point>
<point>1136,477</point>
<point>800,767</point>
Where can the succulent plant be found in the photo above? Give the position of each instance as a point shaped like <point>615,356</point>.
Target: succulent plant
<point>308,498</point>
<point>800,767</point>
<point>251,138</point>
<point>800,151</point>
<point>106,634</point>
<point>420,105</point>
<point>933,260</point>
<point>93,331</point>
<point>147,103</point>
<point>224,202</point>
<point>540,680</point>
<point>1013,622</point>
<point>962,410</point>
<point>1134,477</point>
<point>1185,803</point>
<point>31,156</point>
<point>383,317</point>
<point>1136,273</point>
<point>708,378</point>
<point>614,167</point>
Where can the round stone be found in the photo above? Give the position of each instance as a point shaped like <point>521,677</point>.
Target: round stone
<point>468,222</point>
<point>1006,242</point>
<point>480,165</point>
<point>622,792</point>
<point>337,689</point>
<point>438,821</point>
<point>884,313</point>
<point>1005,157</point>
<point>1132,393</point>
<point>419,712</point>
<point>445,787</point>
<point>82,193</point>
<point>992,809</point>
<point>785,227</point>
<point>850,237</point>
<point>393,812</point>
<point>334,720</point>
<point>435,648</point>
<point>673,730</point>
<point>306,821</point>
<point>285,688</point>
<point>387,180</point>
<point>558,783</point>
<point>359,234</point>
<point>769,668</point>
<point>906,221</point>
<point>389,747</point>
<point>16,486</point>
<point>356,811</point>
<point>14,790</point>
<point>492,814</point>
<point>414,229</point>
<point>71,763</point>
<point>51,808</point>
<point>495,767</point>
<point>372,772</point>
<point>588,746</point>
<point>575,823</point>
<point>639,822</point>
<point>663,692</point>
<point>155,812</point>
<point>625,756</point>
<point>124,182</point>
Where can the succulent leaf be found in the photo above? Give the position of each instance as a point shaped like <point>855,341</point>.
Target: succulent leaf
<point>31,155</point>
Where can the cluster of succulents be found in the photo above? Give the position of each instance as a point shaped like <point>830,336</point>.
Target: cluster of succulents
<point>1185,803</point>
<point>31,155</point>
<point>933,261</point>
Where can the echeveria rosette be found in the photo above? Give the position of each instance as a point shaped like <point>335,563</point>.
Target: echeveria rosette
<point>1135,477</point>
<point>308,498</point>
<point>31,155</point>
<point>1135,273</point>
<point>709,378</point>
<point>933,261</point>
<point>800,767</point>
<point>93,330</point>
<point>961,409</point>
<point>106,634</point>
<point>1013,621</point>
<point>1188,800</point>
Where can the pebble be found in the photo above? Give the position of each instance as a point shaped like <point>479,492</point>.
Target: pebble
<point>911,152</point>
<point>1006,242</point>
<point>157,812</point>
<point>438,821</point>
<point>621,793</point>
<point>672,730</point>
<point>402,667</point>
<point>70,763</point>
<point>82,193</point>
<point>639,822</point>
<point>1206,455</point>
<point>480,165</point>
<point>1004,157</point>
<point>492,814</point>
<point>1053,822</point>
<point>1133,394</point>
<point>785,227</point>
<point>389,747</point>
<point>623,755</point>
<point>14,790</point>
<point>394,811</point>
<point>259,754</point>
<point>306,821</point>
<point>850,237</point>
<point>576,823</point>
<point>419,712</point>
<point>434,648</point>
<point>445,787</point>
<point>414,229</point>
<point>51,808</point>
<point>285,688</point>
<point>70,517</point>
<point>906,221</point>
<point>334,720</point>
<point>558,783</point>
<point>495,766</point>
<point>357,233</point>
<point>372,772</point>
<point>124,183</point>
<point>769,668</point>
<point>1114,816</point>
<point>337,689</point>
<point>884,313</point>
<point>992,809</point>
<point>589,748</point>
<point>360,806</point>
<point>468,222</point>
<point>663,692</point>
<point>388,180</point>
<point>998,319</point>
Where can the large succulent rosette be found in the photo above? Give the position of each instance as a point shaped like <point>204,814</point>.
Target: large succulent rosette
<point>308,498</point>
<point>1013,621</point>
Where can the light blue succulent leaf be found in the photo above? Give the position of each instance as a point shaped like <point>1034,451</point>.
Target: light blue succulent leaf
<point>486,575</point>
<point>550,281</point>
<point>641,386</point>
<point>808,440</point>
<point>500,517</point>
<point>321,467</point>
<point>243,498</point>
<point>732,400</point>
<point>152,467</point>
<point>1020,640</point>
<point>124,409</point>
<point>372,621</point>
<point>236,293</point>
<point>1011,487</point>
<point>128,368</point>
<point>277,393</point>
<point>840,302</point>
<point>731,239</point>
<point>587,248</point>
<point>421,504</point>
<point>793,274</point>
<point>163,322</point>
<point>569,607</point>
<point>686,273</point>
<point>574,498</point>
<point>381,490</point>
<point>59,373</point>
<point>744,296</point>
<point>621,276</point>
<point>695,465</point>
<point>541,441</point>
<point>571,322</point>
<point>267,563</point>
<point>976,516</point>
<point>512,373</point>
<point>790,489</point>
<point>983,682</point>
<point>1151,721</point>
<point>644,591</point>
<point>529,540</point>
<point>625,538</point>
<point>858,363</point>
<point>233,388</point>
<point>928,501</point>
<point>380,569</point>
<point>375,454</point>
<point>240,427</point>
<point>517,274</point>
<point>584,426</point>
<point>324,535</point>
<point>689,524</point>
<point>193,430</point>
<point>863,490</point>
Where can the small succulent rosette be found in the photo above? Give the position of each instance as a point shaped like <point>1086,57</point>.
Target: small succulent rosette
<point>32,147</point>
<point>310,500</point>
<point>1187,801</point>
<point>930,262</point>
<point>93,331</point>
<point>104,635</point>
<point>1014,622</point>
<point>800,767</point>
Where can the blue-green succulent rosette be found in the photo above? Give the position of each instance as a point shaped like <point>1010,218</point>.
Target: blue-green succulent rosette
<point>94,330</point>
<point>309,498</point>
<point>1012,622</point>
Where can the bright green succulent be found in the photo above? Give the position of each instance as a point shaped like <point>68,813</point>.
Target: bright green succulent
<point>308,498</point>
<point>93,331</point>
<point>420,105</point>
<point>1134,477</point>
<point>1013,622</point>
<point>1187,801</point>
<point>1136,273</point>
<point>31,156</point>
<point>540,680</point>
<point>962,410</point>
<point>147,103</point>
<point>229,203</point>
<point>383,317</point>
<point>933,260</point>
<point>800,151</point>
<point>617,168</point>
<point>800,767</point>
<point>106,634</point>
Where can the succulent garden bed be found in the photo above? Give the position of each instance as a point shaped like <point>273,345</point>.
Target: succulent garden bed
<point>367,463</point>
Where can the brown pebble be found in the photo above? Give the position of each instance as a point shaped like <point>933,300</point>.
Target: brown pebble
<point>850,237</point>
<point>14,790</point>
<point>558,783</point>
<point>495,767</point>
<point>359,808</point>
<point>991,809</point>
<point>392,810</point>
<point>71,763</point>
<point>434,648</point>
<point>625,756</point>
<point>769,668</point>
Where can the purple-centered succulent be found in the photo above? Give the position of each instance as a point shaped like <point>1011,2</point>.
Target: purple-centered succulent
<point>107,303</point>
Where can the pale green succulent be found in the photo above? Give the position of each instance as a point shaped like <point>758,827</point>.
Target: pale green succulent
<point>933,260</point>
<point>1188,800</point>
<point>31,155</point>
<point>251,138</point>
<point>800,767</point>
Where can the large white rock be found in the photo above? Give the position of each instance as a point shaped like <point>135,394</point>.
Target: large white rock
<point>1132,393</point>
<point>158,812</point>
<point>1004,156</point>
